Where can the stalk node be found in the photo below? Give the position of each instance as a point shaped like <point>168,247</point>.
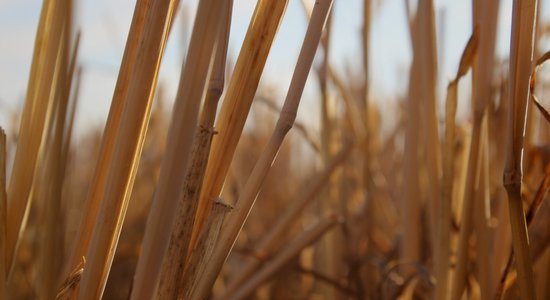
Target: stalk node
<point>512,179</point>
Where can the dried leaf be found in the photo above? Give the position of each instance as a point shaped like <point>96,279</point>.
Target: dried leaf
<point>469,54</point>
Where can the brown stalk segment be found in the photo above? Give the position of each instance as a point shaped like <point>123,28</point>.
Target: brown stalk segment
<point>175,164</point>
<point>485,17</point>
<point>33,122</point>
<point>444,224</point>
<point>410,206</point>
<point>482,216</point>
<point>293,249</point>
<point>3,214</point>
<point>444,215</point>
<point>174,264</point>
<point>521,55</point>
<point>427,64</point>
<point>271,240</point>
<point>127,147</point>
<point>300,127</point>
<point>197,264</point>
<point>97,187</point>
<point>237,102</point>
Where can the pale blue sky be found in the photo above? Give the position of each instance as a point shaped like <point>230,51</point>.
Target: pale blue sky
<point>104,25</point>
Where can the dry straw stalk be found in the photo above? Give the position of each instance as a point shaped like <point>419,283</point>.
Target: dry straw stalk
<point>127,147</point>
<point>521,56</point>
<point>97,187</point>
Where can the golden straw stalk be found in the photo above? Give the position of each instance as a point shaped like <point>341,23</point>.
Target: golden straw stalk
<point>127,147</point>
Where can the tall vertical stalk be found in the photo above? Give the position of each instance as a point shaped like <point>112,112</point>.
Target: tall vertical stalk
<point>97,186</point>
<point>122,167</point>
<point>521,62</point>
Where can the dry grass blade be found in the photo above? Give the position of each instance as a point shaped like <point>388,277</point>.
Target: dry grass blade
<point>468,55</point>
<point>293,248</point>
<point>521,55</point>
<point>238,99</point>
<point>444,215</point>
<point>97,187</point>
<point>127,148</point>
<point>271,240</point>
<point>180,138</point>
<point>33,122</point>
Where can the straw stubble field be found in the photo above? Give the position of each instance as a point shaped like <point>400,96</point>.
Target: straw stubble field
<point>186,202</point>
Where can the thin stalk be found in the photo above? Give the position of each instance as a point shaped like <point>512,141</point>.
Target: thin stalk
<point>194,78</point>
<point>33,123</point>
<point>285,256</point>
<point>482,216</point>
<point>99,181</point>
<point>127,147</point>
<point>238,99</point>
<point>466,223</point>
<point>301,128</point>
<point>485,17</point>
<point>521,56</point>
<point>410,250</point>
<point>53,170</point>
<point>427,60</point>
